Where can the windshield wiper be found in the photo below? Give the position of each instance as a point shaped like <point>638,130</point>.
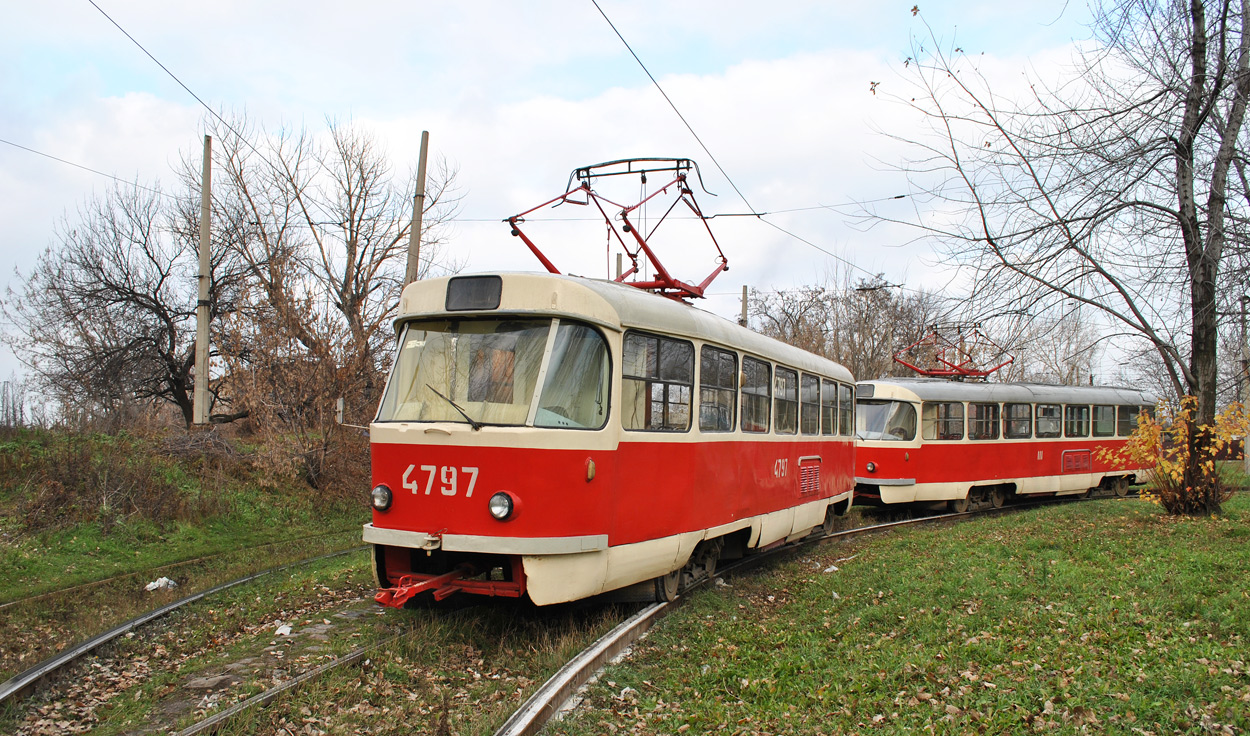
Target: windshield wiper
<point>472,422</point>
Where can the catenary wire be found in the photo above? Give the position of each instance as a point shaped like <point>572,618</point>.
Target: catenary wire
<point>205,105</point>
<point>117,179</point>
<point>699,140</point>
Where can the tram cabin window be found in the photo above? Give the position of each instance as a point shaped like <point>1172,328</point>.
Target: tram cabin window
<point>943,420</point>
<point>718,389</point>
<point>756,396</point>
<point>1048,420</point>
<point>1104,421</point>
<point>786,401</point>
<point>809,404</point>
<point>846,410</point>
<point>575,392</point>
<point>1076,420</point>
<point>828,407</point>
<point>885,420</point>
<point>1017,421</point>
<point>982,421</point>
<point>488,368</point>
<point>659,379</point>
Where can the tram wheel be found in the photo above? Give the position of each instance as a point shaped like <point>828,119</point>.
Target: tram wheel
<point>998,497</point>
<point>1120,486</point>
<point>958,505</point>
<point>666,587</point>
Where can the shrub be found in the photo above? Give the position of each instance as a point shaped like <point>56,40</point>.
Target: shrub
<point>1185,478</point>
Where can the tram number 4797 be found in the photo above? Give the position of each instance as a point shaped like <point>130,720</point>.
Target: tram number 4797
<point>447,477</point>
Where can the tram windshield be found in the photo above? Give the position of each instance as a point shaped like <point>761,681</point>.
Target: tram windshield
<point>885,420</point>
<point>484,372</point>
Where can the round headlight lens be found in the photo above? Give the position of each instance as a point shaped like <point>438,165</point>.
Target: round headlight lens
<point>501,506</point>
<point>381,497</point>
<point>872,467</point>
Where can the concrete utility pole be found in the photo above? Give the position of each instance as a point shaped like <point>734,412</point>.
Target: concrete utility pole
<point>199,406</point>
<point>743,319</point>
<point>418,208</point>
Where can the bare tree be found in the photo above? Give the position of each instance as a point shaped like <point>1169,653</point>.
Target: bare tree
<point>106,318</point>
<point>1111,191</point>
<point>308,253</point>
<point>860,324</point>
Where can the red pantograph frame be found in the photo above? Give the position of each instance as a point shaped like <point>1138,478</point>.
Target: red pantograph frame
<point>664,283</point>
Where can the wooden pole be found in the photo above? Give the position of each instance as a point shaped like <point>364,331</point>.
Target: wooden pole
<point>418,207</point>
<point>199,407</point>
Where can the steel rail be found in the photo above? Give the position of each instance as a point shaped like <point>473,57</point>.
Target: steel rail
<point>215,721</point>
<point>24,681</point>
<point>549,699</point>
<point>557,691</point>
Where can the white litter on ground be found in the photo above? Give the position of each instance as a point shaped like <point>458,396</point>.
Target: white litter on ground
<point>161,583</point>
<point>283,630</point>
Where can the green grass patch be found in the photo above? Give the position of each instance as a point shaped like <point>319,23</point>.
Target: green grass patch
<point>1093,617</point>
<point>79,508</point>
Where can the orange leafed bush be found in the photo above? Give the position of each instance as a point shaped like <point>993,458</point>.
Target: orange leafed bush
<point>1184,479</point>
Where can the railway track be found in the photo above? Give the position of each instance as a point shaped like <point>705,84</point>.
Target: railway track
<point>23,682</point>
<point>553,696</point>
<point>528,719</point>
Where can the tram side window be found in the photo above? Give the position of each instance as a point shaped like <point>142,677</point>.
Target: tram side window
<point>1048,420</point>
<point>828,407</point>
<point>1075,420</point>
<point>1125,420</point>
<point>1017,421</point>
<point>756,399</point>
<point>982,421</point>
<point>718,389</point>
<point>809,404</point>
<point>659,378</point>
<point>846,410</point>
<point>786,402</point>
<point>1104,421</point>
<point>942,420</point>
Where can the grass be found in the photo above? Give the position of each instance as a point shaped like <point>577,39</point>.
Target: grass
<point>1096,617</point>
<point>162,507</point>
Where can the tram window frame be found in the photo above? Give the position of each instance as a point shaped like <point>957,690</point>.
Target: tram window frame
<point>846,410</point>
<point>828,407</point>
<point>1109,423</point>
<point>1052,415</point>
<point>809,411</point>
<point>1076,422</point>
<point>935,415</point>
<point>756,393</point>
<point>983,420</point>
<point>718,389</point>
<point>664,374</point>
<point>785,400</point>
<point>1017,427</point>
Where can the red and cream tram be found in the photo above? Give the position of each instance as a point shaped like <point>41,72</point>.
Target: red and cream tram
<point>559,437</point>
<point>975,443</point>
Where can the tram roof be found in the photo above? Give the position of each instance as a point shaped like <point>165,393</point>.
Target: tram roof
<point>938,389</point>
<point>616,306</point>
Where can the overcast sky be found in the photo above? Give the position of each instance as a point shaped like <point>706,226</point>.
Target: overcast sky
<point>516,95</point>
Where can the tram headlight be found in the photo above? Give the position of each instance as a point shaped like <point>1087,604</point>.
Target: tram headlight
<point>872,467</point>
<point>381,497</point>
<point>502,506</point>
